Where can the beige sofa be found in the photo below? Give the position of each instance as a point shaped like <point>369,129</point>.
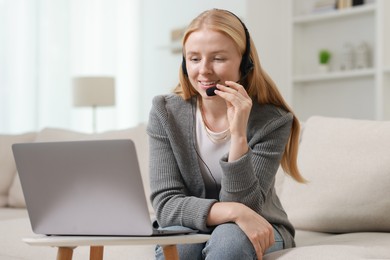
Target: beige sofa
<point>343,212</point>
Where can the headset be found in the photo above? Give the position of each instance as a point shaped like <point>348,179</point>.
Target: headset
<point>246,63</point>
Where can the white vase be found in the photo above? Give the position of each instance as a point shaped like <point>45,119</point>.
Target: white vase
<point>322,68</point>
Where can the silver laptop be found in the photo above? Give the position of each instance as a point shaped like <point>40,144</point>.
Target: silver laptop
<point>84,188</point>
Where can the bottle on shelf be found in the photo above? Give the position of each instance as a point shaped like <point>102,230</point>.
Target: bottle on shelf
<point>347,57</point>
<point>362,56</point>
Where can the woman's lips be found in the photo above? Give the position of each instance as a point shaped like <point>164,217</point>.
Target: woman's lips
<point>207,84</point>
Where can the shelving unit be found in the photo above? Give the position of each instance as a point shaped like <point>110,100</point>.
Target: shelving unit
<point>362,93</point>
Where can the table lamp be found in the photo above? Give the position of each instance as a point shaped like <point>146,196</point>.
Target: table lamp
<point>93,92</point>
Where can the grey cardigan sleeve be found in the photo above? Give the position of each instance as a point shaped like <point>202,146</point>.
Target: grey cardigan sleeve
<point>249,180</point>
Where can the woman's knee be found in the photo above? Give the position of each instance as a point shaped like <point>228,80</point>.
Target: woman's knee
<point>228,241</point>
<point>185,251</point>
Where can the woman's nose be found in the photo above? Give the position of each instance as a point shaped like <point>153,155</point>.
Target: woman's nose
<point>205,67</point>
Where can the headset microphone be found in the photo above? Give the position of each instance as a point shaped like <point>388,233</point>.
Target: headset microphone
<point>210,91</point>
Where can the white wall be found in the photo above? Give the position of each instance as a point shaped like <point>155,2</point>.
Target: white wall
<point>266,22</point>
<point>45,43</point>
<point>110,37</point>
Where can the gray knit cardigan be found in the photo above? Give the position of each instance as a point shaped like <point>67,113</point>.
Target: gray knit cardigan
<point>177,188</point>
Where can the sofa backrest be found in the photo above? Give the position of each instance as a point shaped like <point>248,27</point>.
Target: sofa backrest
<point>7,163</point>
<point>347,164</point>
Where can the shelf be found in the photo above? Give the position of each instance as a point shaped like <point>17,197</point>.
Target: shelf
<point>352,11</point>
<point>175,47</point>
<point>334,76</point>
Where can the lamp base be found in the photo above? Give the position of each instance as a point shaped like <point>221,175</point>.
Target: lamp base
<point>94,119</point>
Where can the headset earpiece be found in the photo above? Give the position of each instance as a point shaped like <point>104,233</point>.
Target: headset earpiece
<point>246,63</point>
<point>246,66</point>
<point>184,66</point>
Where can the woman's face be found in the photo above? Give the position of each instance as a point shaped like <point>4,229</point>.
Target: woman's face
<point>211,58</point>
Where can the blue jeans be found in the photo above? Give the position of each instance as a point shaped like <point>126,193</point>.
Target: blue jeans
<point>227,241</point>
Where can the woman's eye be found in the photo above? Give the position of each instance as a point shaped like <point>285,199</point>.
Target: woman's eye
<point>219,59</point>
<point>194,59</point>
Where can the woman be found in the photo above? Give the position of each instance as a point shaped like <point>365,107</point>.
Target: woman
<point>217,142</point>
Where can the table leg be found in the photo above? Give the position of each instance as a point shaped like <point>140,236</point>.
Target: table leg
<point>96,253</point>
<point>65,253</point>
<point>170,252</point>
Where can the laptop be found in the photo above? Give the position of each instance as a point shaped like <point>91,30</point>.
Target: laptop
<point>85,188</point>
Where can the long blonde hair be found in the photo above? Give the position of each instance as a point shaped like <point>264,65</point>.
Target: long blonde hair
<point>258,83</point>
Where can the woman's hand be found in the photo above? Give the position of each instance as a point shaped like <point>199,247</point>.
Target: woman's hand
<point>239,105</point>
<point>258,230</point>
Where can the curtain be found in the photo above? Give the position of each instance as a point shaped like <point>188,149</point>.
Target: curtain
<point>45,43</point>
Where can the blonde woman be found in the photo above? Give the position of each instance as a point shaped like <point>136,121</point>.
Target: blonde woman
<point>216,144</point>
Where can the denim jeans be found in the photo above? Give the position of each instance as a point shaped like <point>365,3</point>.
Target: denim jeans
<point>227,241</point>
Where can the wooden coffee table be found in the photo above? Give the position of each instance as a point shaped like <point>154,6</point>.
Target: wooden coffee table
<point>66,244</point>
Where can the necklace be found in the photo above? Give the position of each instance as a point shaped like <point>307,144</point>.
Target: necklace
<point>215,137</point>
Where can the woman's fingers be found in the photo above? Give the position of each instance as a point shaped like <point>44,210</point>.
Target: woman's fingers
<point>232,88</point>
<point>258,230</point>
<point>264,238</point>
<point>234,93</point>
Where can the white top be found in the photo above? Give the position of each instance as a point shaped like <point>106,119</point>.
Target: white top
<point>209,155</point>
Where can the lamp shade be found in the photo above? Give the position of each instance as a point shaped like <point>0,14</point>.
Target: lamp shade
<point>93,91</point>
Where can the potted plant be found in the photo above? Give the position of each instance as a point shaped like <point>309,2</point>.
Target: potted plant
<point>324,56</point>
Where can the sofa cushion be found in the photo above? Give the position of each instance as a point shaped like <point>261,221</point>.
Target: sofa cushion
<point>347,165</point>
<point>326,252</point>
<point>137,134</point>
<point>7,163</point>
<point>12,213</point>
